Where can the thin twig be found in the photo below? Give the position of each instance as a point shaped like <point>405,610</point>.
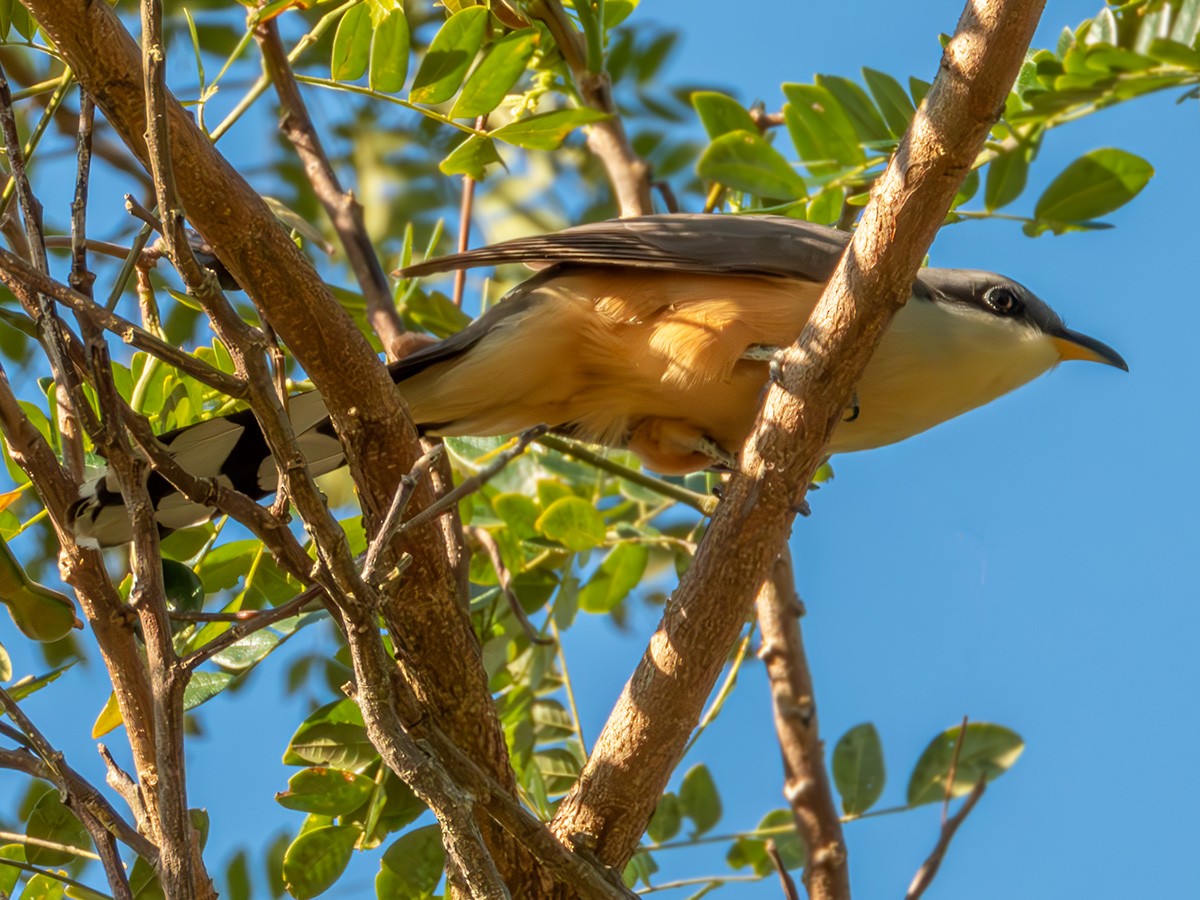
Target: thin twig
<point>504,577</point>
<point>470,485</point>
<point>929,868</point>
<point>703,503</point>
<point>958,745</point>
<point>464,223</point>
<point>14,269</point>
<point>785,877</point>
<point>395,514</point>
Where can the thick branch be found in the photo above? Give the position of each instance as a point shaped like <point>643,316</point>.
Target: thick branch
<point>661,703</point>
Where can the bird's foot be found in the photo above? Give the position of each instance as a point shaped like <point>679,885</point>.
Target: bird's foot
<point>718,454</point>
<point>852,410</point>
<point>760,352</point>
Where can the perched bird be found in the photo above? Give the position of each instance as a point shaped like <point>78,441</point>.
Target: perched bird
<point>653,334</point>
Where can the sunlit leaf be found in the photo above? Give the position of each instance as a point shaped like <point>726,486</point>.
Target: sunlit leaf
<point>389,53</point>
<point>325,791</point>
<point>334,735</point>
<point>720,114</point>
<point>859,108</point>
<point>203,686</point>
<point>495,75</point>
<point>820,128</point>
<point>620,573</point>
<point>572,522</point>
<point>546,131</point>
<point>988,751</point>
<point>1093,185</point>
<point>450,54</point>
<point>351,44</point>
<point>747,162</point>
<point>471,158</point>
<point>894,103</point>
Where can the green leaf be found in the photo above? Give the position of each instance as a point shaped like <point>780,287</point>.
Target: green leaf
<point>326,792</point>
<point>183,588</point>
<point>863,115</point>
<point>351,44</point>
<point>1187,22</point>
<point>51,821</point>
<point>434,312</point>
<point>698,799</point>
<point>747,162</point>
<point>573,522</point>
<point>247,652</point>
<point>9,874</point>
<point>390,47</point>
<point>858,769</point>
<point>1174,53</point>
<point>987,752</point>
<point>1093,185</point>
<point>1006,176</point>
<point>471,158</point>
<point>546,131</point>
<point>820,129</point>
<point>23,687</point>
<point>721,114</point>
<point>620,573</point>
<point>450,54</point>
<point>41,613</point>
<point>918,87</point>
<point>6,670</point>
<point>495,75</point>
<point>203,686</point>
<point>519,513</point>
<point>43,887</point>
<point>667,819</point>
<point>752,851</point>
<point>334,735</point>
<point>893,101</point>
<point>317,858</point>
<point>412,867</point>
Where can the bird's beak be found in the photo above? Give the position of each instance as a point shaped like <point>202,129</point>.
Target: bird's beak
<point>1073,345</point>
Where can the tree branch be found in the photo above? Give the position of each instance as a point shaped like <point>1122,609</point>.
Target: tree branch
<point>806,780</point>
<point>929,868</point>
<point>614,798</point>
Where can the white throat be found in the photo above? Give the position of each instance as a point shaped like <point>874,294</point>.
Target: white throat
<point>937,361</point>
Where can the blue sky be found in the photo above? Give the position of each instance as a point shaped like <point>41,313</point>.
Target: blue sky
<point>1032,564</point>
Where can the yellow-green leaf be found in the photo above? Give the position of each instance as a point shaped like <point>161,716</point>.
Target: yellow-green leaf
<point>389,53</point>
<point>351,44</point>
<point>317,858</point>
<point>471,158</point>
<point>495,76</point>
<point>450,54</point>
<point>747,162</point>
<point>987,752</point>
<point>546,131</point>
<point>573,522</point>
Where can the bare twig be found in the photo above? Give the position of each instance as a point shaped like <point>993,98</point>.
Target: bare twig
<point>951,775</point>
<point>785,877</point>
<point>395,514</point>
<point>464,222</point>
<point>504,577</point>
<point>806,780</point>
<point>14,269</point>
<point>76,792</point>
<point>664,697</point>
<point>929,868</point>
<point>470,485</point>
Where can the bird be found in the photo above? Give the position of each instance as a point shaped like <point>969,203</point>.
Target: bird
<point>653,334</point>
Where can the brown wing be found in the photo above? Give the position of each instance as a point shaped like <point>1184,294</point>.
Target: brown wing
<point>700,244</point>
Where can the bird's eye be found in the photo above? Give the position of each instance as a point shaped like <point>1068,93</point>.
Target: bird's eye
<point>1003,301</point>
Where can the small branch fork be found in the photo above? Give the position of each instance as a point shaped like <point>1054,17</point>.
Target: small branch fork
<point>929,868</point>
<point>806,785</point>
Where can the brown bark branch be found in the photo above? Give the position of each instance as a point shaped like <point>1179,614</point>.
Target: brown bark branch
<point>342,207</point>
<point>641,742</point>
<point>628,173</point>
<point>929,868</point>
<point>806,780</point>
